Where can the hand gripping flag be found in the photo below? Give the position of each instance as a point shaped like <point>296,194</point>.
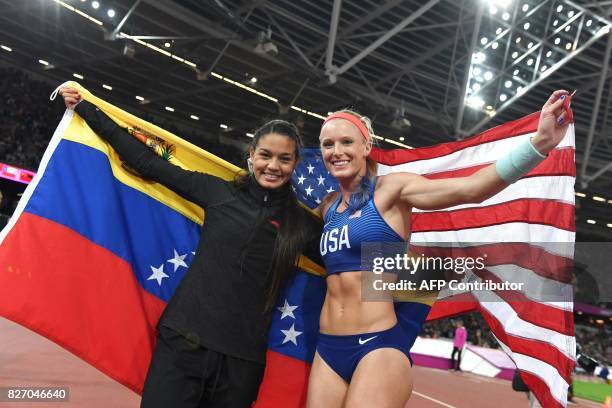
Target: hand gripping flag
<point>93,252</point>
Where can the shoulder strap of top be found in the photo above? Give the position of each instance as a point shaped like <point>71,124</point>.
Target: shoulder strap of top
<point>332,208</point>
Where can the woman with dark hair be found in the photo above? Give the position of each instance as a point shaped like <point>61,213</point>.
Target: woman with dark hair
<point>212,336</point>
<point>362,357</point>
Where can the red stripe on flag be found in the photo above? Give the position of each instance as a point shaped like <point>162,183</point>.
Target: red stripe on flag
<point>452,306</point>
<point>532,211</point>
<point>528,124</point>
<point>541,390</point>
<point>560,162</point>
<point>522,254</point>
<point>92,307</point>
<point>530,347</point>
<point>532,311</point>
<point>285,382</point>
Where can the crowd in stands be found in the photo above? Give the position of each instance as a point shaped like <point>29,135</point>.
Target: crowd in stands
<point>478,331</point>
<point>596,342</point>
<point>27,122</point>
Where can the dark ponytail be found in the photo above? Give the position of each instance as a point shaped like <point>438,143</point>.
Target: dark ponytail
<point>295,229</point>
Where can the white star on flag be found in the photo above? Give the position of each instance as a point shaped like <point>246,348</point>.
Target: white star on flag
<point>178,260</point>
<point>309,190</point>
<point>330,190</point>
<point>318,201</point>
<point>158,274</point>
<point>301,179</point>
<point>287,310</point>
<point>310,168</point>
<point>321,180</point>
<point>291,335</point>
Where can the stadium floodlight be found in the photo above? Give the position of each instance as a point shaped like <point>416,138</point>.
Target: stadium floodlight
<point>169,108</point>
<point>499,3</point>
<point>488,75</point>
<point>95,5</point>
<point>111,13</point>
<point>537,41</point>
<point>479,58</point>
<point>475,102</point>
<point>5,48</point>
<point>223,126</point>
<point>194,117</point>
<point>43,62</point>
<point>110,88</point>
<point>79,76</point>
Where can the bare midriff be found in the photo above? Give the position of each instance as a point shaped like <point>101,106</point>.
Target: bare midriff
<point>344,312</point>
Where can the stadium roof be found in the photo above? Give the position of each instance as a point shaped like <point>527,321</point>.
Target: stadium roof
<point>407,64</point>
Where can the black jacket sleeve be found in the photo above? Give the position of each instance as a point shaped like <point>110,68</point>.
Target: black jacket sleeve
<point>197,187</point>
<point>312,249</point>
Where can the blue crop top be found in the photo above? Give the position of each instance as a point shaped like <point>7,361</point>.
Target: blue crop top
<point>343,234</point>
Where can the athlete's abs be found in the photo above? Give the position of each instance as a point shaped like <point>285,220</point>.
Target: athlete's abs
<point>344,312</point>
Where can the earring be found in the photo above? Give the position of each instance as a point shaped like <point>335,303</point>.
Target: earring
<point>250,165</point>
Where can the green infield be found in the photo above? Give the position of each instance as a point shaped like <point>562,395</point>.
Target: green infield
<point>596,391</point>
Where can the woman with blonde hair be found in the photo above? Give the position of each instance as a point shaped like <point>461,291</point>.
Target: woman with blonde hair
<point>362,357</point>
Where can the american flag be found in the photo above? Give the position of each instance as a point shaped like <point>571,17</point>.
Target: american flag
<point>533,218</point>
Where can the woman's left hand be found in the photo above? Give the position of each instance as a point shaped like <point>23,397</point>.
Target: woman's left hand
<point>554,120</point>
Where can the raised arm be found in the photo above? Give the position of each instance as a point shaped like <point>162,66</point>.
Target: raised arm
<point>420,192</point>
<point>194,186</point>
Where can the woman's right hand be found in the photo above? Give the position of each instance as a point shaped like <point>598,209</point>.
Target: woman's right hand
<point>71,97</point>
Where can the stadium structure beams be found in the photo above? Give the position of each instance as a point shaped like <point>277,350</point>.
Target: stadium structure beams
<point>115,32</point>
<point>542,41</point>
<point>330,69</point>
<point>405,30</point>
<point>178,12</point>
<point>393,31</point>
<point>211,88</point>
<point>451,79</point>
<point>462,94</point>
<point>290,40</point>
<point>585,179</point>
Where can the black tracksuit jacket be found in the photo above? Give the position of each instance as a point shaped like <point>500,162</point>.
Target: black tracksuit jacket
<point>220,302</point>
